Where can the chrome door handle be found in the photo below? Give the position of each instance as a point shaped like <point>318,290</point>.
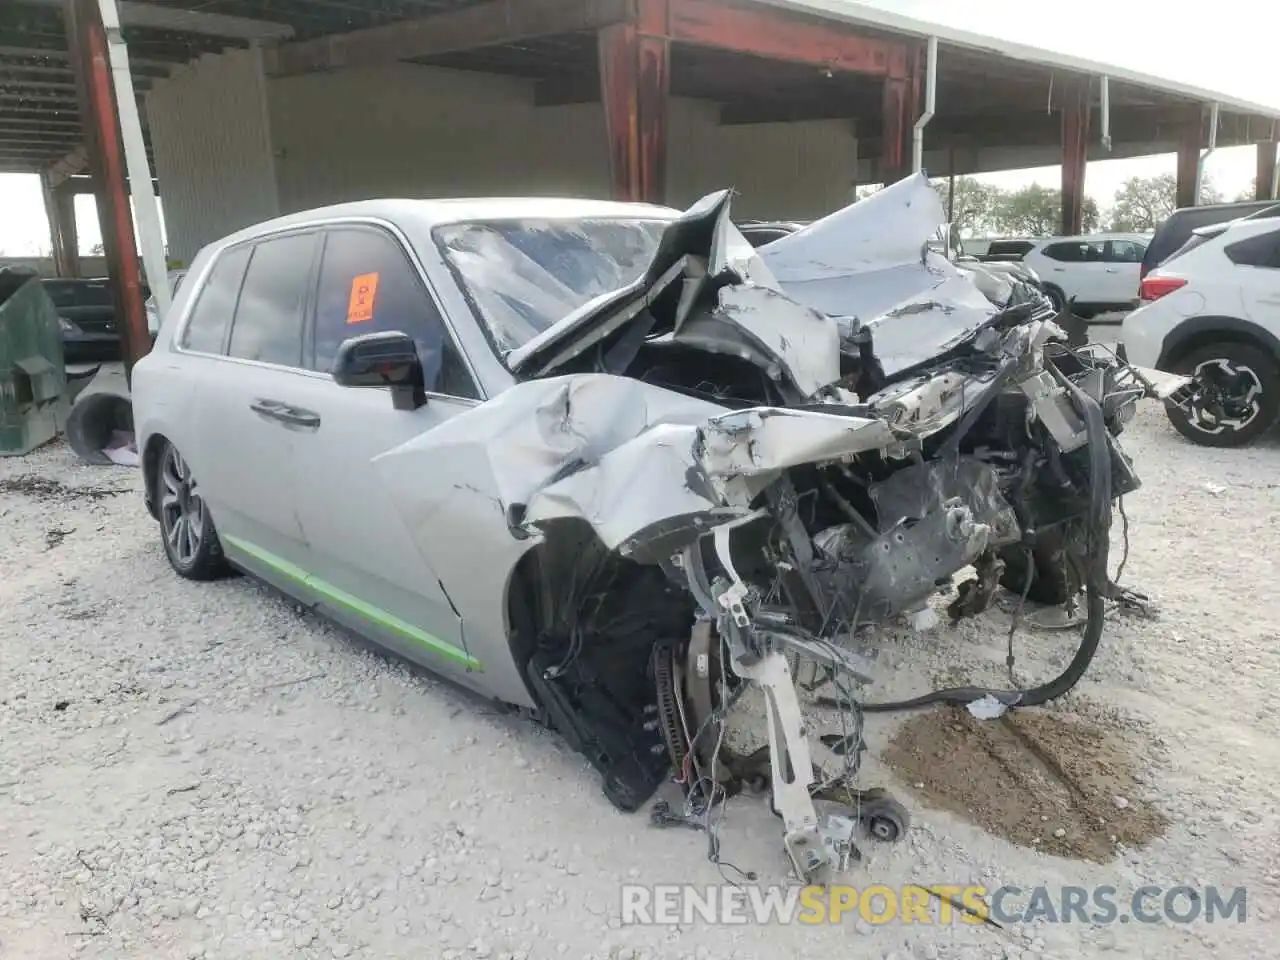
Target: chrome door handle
<point>297,417</point>
<point>268,408</point>
<point>279,410</point>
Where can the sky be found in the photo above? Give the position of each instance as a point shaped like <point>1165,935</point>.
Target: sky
<point>1219,52</point>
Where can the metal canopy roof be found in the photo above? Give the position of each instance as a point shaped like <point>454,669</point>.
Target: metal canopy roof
<point>861,14</point>
<point>989,92</point>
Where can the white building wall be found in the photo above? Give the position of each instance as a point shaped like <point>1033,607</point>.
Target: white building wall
<point>212,145</point>
<point>405,130</point>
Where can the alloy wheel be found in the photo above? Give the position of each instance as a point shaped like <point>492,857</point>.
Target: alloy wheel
<point>1226,396</point>
<point>182,510</point>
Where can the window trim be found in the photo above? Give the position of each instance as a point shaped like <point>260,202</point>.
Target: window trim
<point>381,228</point>
<point>308,298</point>
<point>321,224</point>
<point>184,322</point>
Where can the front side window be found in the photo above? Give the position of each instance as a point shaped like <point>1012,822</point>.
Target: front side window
<point>206,330</point>
<point>523,276</point>
<point>269,314</point>
<point>368,285</point>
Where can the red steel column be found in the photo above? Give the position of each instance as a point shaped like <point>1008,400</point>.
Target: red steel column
<point>635,70</point>
<point>895,129</point>
<point>1265,184</point>
<point>1189,157</point>
<point>1075,157</point>
<point>87,40</point>
<point>903,99</point>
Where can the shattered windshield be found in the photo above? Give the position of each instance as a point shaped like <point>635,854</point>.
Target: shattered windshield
<point>522,276</point>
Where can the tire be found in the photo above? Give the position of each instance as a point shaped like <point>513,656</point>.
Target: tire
<point>186,528</point>
<point>1056,297</point>
<point>1240,398</point>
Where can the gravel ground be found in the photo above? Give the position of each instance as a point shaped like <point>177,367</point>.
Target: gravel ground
<point>201,771</point>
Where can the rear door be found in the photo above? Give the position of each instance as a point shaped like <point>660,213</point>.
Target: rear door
<point>247,429</point>
<point>366,568</point>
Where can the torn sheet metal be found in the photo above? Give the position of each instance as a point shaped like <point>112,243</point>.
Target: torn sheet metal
<point>706,288</point>
<point>771,330</point>
<point>768,439</point>
<point>870,260</point>
<point>528,437</point>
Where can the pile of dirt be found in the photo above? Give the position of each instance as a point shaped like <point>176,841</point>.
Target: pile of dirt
<point>1040,779</point>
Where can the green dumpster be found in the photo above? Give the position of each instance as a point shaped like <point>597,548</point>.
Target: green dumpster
<point>33,378</point>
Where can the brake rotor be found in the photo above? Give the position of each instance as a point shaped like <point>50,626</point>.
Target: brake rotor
<point>667,688</point>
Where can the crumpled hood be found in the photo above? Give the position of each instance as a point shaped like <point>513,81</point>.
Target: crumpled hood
<point>870,261</point>
<point>706,287</point>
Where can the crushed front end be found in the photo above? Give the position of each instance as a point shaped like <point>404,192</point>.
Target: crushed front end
<point>746,458</point>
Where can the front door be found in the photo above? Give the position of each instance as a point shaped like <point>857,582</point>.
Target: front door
<point>368,569</point>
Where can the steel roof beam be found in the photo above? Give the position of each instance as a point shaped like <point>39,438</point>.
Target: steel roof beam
<point>165,17</point>
<point>490,24</point>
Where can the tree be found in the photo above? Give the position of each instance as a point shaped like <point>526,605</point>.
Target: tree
<point>1036,211</point>
<point>1142,202</point>
<point>96,250</point>
<point>1247,195</point>
<point>974,203</point>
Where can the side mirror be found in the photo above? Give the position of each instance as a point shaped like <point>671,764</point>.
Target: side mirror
<point>382,360</point>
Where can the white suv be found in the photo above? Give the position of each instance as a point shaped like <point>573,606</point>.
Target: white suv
<point>1212,311</point>
<point>1099,272</point>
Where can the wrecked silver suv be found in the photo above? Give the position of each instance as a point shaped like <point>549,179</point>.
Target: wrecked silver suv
<point>721,461</point>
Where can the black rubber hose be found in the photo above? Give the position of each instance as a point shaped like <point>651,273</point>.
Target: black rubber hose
<point>1095,585</point>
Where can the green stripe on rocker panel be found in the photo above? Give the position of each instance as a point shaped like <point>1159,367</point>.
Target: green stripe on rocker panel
<point>354,604</point>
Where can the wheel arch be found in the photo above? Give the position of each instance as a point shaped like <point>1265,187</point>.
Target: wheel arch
<point>531,606</point>
<point>1197,332</point>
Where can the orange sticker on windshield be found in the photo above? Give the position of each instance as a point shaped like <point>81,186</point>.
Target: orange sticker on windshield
<point>364,290</point>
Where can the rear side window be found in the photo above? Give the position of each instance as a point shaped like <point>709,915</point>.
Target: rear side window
<point>1260,251</point>
<point>368,285</point>
<point>206,331</point>
<point>269,314</point>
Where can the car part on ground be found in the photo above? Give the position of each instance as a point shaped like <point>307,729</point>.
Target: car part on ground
<point>701,461</point>
<point>101,408</point>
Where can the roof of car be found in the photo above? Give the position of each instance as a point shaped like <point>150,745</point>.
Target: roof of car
<point>425,214</point>
<point>1084,237</point>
